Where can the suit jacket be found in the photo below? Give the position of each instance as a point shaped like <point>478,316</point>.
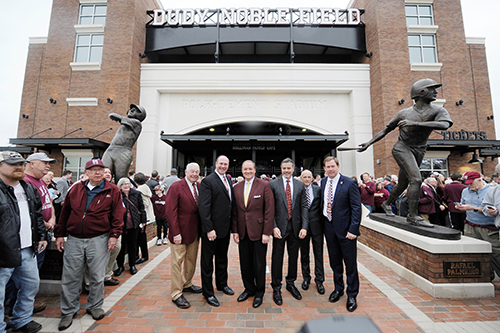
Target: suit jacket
<point>182,213</point>
<point>256,219</point>
<point>300,210</point>
<point>316,221</point>
<point>215,205</point>
<point>346,209</point>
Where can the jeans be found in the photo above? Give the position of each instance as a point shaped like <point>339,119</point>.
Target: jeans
<point>27,280</point>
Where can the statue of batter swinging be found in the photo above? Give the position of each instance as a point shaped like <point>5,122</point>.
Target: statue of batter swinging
<point>416,124</point>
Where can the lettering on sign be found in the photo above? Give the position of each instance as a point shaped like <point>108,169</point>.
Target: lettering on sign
<point>460,269</point>
<point>256,16</point>
<point>464,135</point>
<point>250,147</point>
<point>252,104</point>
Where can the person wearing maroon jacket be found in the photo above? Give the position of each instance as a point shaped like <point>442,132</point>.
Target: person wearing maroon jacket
<point>160,210</point>
<point>92,219</point>
<point>453,194</point>
<point>426,204</point>
<point>367,190</point>
<point>380,195</point>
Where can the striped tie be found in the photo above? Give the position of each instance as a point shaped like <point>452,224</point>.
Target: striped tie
<point>195,193</point>
<point>330,199</point>
<point>308,195</point>
<point>289,198</point>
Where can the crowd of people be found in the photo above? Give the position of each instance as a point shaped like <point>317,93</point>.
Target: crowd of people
<point>96,223</point>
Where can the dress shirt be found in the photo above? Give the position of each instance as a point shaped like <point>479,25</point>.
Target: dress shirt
<point>192,188</point>
<point>335,182</point>
<point>224,180</point>
<point>291,184</point>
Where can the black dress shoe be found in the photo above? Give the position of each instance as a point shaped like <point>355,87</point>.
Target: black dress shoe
<point>213,301</point>
<point>181,302</point>
<point>193,289</point>
<point>133,270</point>
<point>305,284</point>
<point>119,271</point>
<point>111,282</point>
<point>294,291</point>
<point>351,304</point>
<point>227,290</point>
<point>140,261</point>
<point>277,298</point>
<point>335,296</point>
<point>320,287</point>
<point>30,327</point>
<point>243,296</point>
<point>257,301</point>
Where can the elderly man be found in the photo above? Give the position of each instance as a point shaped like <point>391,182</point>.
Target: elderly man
<point>182,215</point>
<point>480,223</point>
<point>23,235</point>
<point>92,217</point>
<point>216,198</point>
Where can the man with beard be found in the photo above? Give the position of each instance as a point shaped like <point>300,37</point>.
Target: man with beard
<point>23,235</point>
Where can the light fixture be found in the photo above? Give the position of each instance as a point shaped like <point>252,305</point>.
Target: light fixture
<point>25,116</point>
<point>368,55</point>
<point>109,100</point>
<point>142,55</point>
<point>489,117</point>
<point>212,129</point>
<point>460,102</point>
<point>52,101</point>
<point>401,102</point>
<point>304,130</point>
<point>475,159</point>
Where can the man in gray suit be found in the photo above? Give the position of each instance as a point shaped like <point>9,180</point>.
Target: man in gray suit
<point>290,224</point>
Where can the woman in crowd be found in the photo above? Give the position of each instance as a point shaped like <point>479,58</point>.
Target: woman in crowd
<point>367,189</point>
<point>133,217</point>
<point>140,180</point>
<point>380,195</point>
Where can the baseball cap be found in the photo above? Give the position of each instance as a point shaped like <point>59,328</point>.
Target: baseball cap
<point>470,176</point>
<point>158,188</point>
<point>94,162</point>
<point>11,157</point>
<point>40,157</point>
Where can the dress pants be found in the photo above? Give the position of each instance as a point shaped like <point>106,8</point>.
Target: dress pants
<point>78,253</point>
<point>183,265</point>
<point>129,245</point>
<point>210,249</point>
<point>142,242</point>
<point>342,249</point>
<point>292,247</point>
<point>253,266</point>
<point>305,259</point>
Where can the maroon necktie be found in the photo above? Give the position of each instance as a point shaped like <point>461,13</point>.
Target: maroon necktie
<point>289,198</point>
<point>195,193</point>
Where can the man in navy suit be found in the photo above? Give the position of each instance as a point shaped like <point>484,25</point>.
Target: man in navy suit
<point>291,220</point>
<point>341,207</point>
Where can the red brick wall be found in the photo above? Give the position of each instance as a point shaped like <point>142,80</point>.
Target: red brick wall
<point>423,263</point>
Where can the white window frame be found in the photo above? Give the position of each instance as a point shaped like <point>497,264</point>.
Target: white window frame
<point>420,16</point>
<point>90,45</point>
<point>93,15</point>
<point>422,47</point>
<point>444,171</point>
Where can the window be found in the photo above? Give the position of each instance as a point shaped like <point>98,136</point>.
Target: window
<point>419,15</point>
<point>430,165</point>
<point>92,14</point>
<point>89,47</point>
<point>75,164</point>
<point>422,48</point>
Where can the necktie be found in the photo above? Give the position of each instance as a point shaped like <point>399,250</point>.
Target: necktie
<point>247,192</point>
<point>330,199</point>
<point>195,193</point>
<point>308,195</point>
<point>289,198</point>
<point>226,185</point>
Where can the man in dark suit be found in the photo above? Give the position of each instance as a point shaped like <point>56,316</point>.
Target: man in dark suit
<point>183,219</point>
<point>341,207</point>
<point>252,227</point>
<point>315,232</point>
<point>216,193</point>
<point>290,224</point>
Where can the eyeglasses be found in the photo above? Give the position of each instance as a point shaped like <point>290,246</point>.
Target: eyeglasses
<point>96,170</point>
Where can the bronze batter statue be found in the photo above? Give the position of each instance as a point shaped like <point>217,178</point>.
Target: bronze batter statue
<point>415,124</point>
<point>118,156</point>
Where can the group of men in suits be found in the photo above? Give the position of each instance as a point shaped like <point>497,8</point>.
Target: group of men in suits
<point>291,211</point>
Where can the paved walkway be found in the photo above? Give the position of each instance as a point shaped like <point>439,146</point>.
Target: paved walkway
<point>142,303</point>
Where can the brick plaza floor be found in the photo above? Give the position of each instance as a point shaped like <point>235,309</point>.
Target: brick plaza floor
<point>142,303</point>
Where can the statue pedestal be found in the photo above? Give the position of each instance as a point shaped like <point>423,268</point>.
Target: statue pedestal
<point>441,268</point>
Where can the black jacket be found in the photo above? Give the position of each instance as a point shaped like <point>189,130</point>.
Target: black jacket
<point>135,205</point>
<point>10,223</point>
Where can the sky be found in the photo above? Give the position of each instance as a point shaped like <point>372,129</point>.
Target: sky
<point>22,19</point>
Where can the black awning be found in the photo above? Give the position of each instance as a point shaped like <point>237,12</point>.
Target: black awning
<point>51,143</point>
<point>462,145</point>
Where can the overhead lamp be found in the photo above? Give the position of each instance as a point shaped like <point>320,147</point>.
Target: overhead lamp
<point>489,117</point>
<point>460,102</point>
<point>52,101</point>
<point>304,130</point>
<point>212,129</point>
<point>401,102</point>
<point>109,100</point>
<point>475,159</point>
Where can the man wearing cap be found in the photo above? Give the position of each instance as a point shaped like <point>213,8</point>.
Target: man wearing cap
<point>169,180</point>
<point>23,234</point>
<point>480,223</point>
<point>452,194</point>
<point>416,124</point>
<point>92,218</point>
